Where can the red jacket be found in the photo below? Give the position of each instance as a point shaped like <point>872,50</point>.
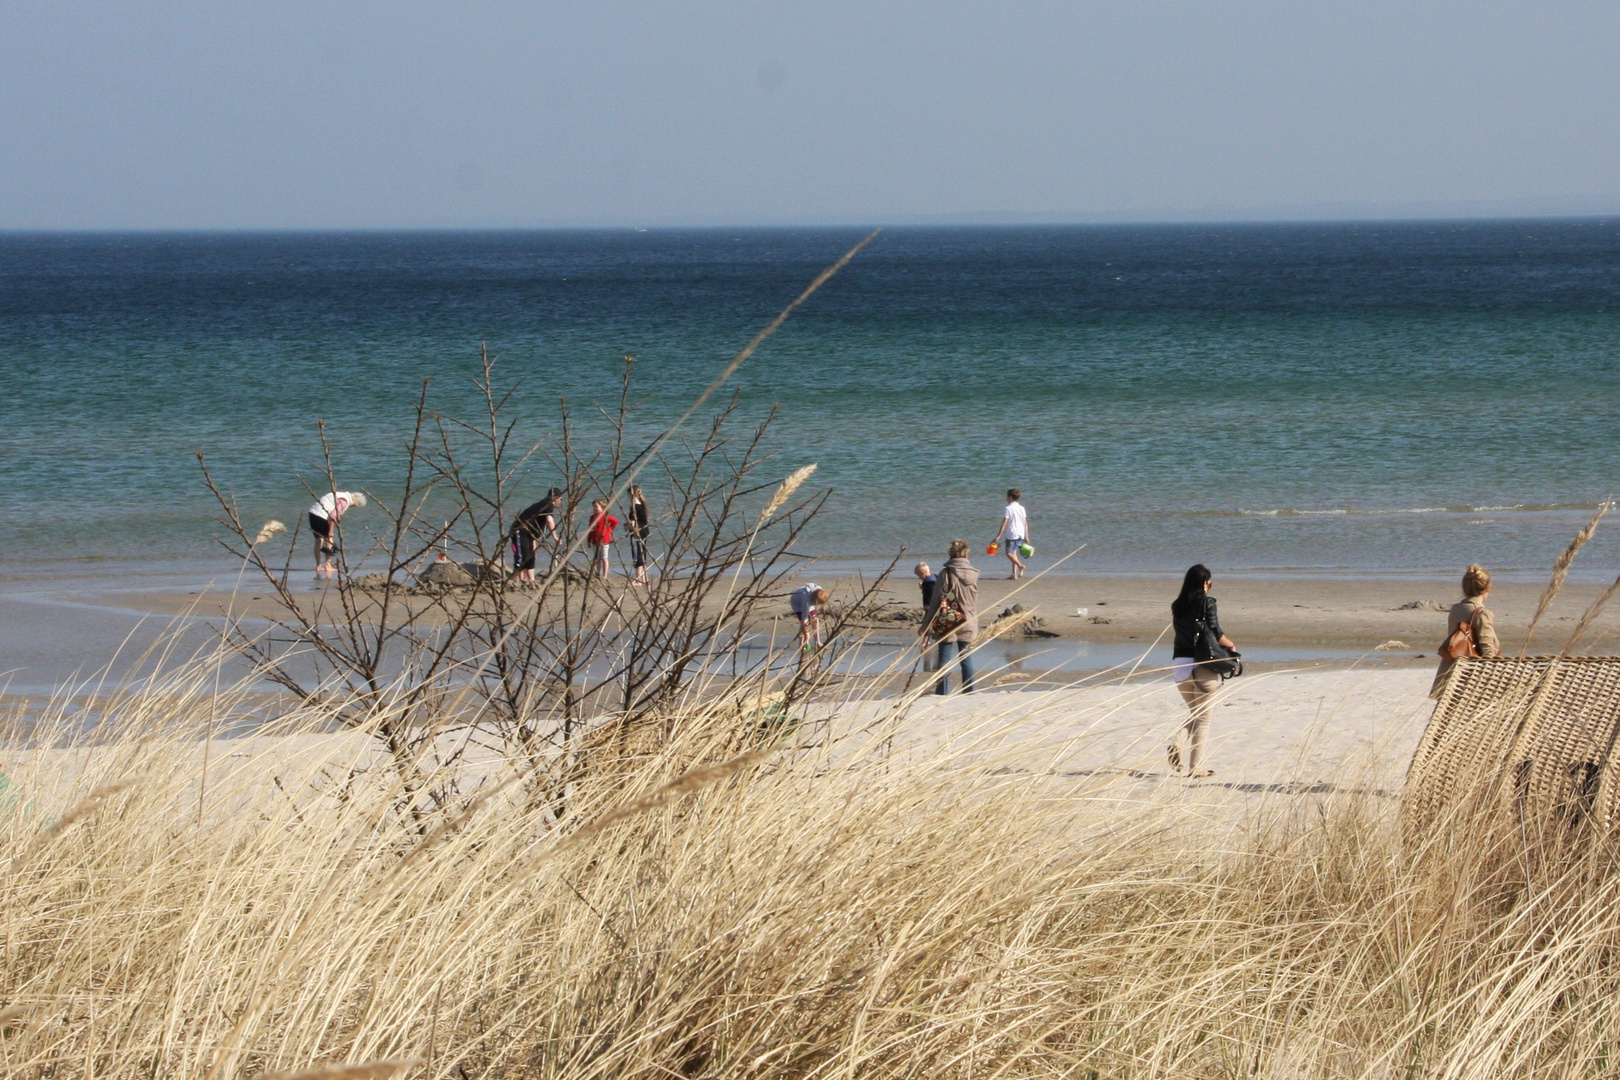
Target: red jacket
<point>602,526</point>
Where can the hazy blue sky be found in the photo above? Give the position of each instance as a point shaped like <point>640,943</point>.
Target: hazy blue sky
<point>160,113</point>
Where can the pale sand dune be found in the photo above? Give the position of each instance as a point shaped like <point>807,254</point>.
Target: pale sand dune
<point>1283,726</point>
<point>1285,740</point>
<point>1284,732</point>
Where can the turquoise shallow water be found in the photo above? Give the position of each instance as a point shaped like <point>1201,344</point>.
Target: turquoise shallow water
<point>1334,398</point>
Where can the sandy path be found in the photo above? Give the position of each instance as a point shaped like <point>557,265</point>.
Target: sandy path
<point>1280,727</point>
<point>1285,731</point>
<point>1280,743</point>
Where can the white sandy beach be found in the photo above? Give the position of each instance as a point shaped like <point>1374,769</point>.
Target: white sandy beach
<point>1284,734</point>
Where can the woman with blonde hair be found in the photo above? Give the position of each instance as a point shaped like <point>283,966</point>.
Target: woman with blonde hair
<point>957,596</point>
<point>1470,628</point>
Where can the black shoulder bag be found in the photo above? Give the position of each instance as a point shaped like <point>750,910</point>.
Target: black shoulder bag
<point>1211,655</point>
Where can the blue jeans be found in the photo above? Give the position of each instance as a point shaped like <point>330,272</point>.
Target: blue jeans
<point>947,651</point>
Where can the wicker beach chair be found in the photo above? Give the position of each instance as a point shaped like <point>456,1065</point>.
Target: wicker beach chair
<point>1529,740</point>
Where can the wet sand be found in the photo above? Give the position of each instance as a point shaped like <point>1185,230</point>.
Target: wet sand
<point>1356,613</point>
<point>54,627</point>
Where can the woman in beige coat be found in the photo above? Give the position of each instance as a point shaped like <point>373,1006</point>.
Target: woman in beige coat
<point>959,578</point>
<point>1470,611</point>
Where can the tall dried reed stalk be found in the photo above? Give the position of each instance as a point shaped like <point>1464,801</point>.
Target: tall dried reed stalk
<point>370,1070</point>
<point>1590,616</point>
<point>1561,571</point>
<point>268,530</point>
<point>784,491</point>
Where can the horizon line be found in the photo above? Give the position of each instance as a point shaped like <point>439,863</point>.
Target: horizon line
<point>967,221</point>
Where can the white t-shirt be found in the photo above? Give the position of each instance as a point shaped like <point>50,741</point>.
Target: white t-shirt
<point>803,600</point>
<point>1017,522</point>
<point>332,504</point>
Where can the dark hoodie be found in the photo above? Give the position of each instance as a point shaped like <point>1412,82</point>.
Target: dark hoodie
<point>959,574</point>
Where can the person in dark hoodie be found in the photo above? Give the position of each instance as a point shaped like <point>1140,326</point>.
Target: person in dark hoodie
<point>929,583</point>
<point>531,524</point>
<point>959,582</point>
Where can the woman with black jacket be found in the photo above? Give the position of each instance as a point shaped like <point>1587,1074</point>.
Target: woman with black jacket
<point>1196,682</point>
<point>640,528</point>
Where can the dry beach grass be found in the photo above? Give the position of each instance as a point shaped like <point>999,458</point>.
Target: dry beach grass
<point>830,899</point>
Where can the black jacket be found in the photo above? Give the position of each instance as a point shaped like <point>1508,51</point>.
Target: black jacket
<point>532,521</point>
<point>1185,616</point>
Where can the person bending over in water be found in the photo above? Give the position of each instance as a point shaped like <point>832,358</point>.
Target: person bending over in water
<point>807,602</point>
<point>526,532</point>
<point>323,522</point>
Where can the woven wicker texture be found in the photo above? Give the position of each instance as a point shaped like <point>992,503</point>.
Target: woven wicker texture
<point>1534,735</point>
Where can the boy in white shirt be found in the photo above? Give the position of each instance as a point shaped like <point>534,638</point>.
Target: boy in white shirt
<point>1014,531</point>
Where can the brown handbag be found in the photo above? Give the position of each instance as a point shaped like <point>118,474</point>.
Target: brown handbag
<point>1461,643</point>
<point>949,617</point>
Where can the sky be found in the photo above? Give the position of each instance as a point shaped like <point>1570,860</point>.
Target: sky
<point>164,114</point>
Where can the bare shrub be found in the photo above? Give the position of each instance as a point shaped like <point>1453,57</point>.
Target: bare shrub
<point>437,636</point>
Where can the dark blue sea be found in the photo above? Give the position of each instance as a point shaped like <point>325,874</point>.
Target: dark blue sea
<point>1355,398</point>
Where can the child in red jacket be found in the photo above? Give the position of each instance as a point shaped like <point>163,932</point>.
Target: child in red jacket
<point>600,535</point>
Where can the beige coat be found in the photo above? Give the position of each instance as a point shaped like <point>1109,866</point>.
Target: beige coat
<point>1473,611</point>
<point>960,575</point>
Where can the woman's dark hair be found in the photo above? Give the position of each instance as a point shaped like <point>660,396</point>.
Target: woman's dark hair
<point>1192,586</point>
